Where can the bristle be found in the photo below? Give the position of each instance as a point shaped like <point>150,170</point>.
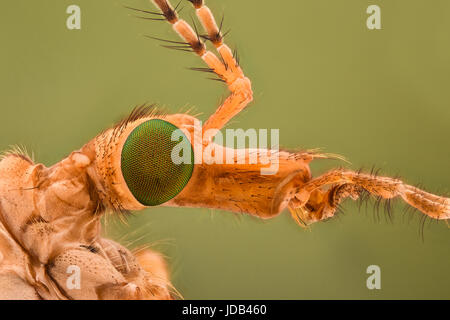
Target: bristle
<point>148,18</point>
<point>18,151</point>
<point>144,11</point>
<point>217,79</point>
<point>139,112</point>
<point>388,209</point>
<point>236,56</point>
<point>202,69</point>
<point>168,41</point>
<point>221,23</point>
<point>179,48</point>
<point>176,7</point>
<point>226,33</point>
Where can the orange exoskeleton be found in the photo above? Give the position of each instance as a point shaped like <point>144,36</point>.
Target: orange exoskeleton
<point>50,218</point>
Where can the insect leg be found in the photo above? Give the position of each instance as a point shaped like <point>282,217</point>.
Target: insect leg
<point>344,183</point>
<point>226,68</point>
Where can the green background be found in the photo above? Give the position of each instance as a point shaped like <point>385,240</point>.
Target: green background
<point>378,97</point>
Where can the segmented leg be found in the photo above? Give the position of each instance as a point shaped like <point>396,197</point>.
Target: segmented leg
<point>312,204</point>
<point>226,68</point>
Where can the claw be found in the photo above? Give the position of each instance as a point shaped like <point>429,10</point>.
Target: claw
<point>301,216</point>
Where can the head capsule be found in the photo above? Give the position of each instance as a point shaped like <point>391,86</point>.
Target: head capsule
<point>134,162</point>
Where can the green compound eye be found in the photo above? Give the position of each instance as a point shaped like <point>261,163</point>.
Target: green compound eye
<point>147,166</point>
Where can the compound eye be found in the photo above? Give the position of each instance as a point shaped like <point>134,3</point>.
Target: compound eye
<point>147,165</point>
